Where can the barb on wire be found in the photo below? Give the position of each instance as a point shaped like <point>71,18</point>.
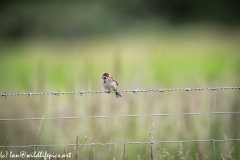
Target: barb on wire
<point>188,90</point>
<point>4,95</point>
<point>135,91</point>
<point>29,95</point>
<point>56,93</point>
<point>122,143</point>
<point>119,116</point>
<point>214,88</point>
<point>161,90</point>
<point>81,93</point>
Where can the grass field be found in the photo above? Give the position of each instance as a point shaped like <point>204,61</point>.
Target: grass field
<point>153,59</point>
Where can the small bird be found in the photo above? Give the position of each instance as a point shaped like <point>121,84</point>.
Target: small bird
<point>110,84</point>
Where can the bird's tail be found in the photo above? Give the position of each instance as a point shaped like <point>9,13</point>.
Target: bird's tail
<point>118,94</point>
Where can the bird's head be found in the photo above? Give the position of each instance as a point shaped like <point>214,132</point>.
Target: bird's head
<point>105,75</point>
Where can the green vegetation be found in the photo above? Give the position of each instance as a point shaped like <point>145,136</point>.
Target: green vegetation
<point>152,59</point>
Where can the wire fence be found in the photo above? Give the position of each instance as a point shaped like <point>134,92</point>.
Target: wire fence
<point>135,91</point>
<point>29,94</point>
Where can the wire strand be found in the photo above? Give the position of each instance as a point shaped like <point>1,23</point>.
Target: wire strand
<point>121,143</point>
<point>57,93</point>
<point>118,116</point>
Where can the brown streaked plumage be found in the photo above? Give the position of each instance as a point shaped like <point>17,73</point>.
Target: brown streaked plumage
<point>110,84</point>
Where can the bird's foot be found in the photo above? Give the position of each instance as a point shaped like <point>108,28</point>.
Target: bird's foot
<point>108,91</point>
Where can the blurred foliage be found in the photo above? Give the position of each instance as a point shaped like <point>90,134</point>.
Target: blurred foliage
<point>78,19</point>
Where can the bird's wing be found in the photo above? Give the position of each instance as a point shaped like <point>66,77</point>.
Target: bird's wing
<point>114,80</point>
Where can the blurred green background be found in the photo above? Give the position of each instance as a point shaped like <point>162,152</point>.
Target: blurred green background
<point>67,45</point>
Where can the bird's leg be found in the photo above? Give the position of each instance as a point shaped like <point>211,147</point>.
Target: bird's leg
<point>107,91</point>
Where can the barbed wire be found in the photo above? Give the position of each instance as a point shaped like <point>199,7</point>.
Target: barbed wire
<point>135,91</point>
<point>119,143</point>
<point>29,94</point>
<point>118,116</point>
